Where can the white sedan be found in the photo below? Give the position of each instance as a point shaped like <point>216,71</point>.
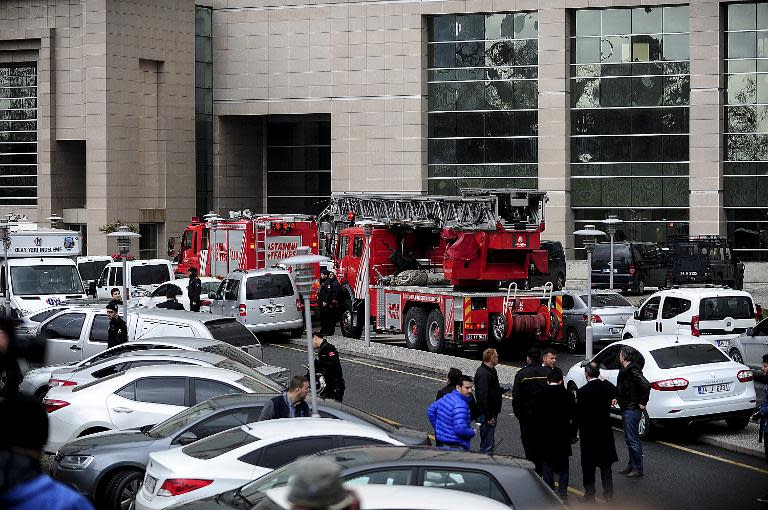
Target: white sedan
<point>234,457</point>
<point>136,398</point>
<point>157,296</point>
<point>691,380</point>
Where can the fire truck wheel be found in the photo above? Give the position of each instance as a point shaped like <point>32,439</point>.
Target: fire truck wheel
<point>348,327</point>
<point>415,328</point>
<point>498,328</point>
<point>436,332</point>
<point>573,341</point>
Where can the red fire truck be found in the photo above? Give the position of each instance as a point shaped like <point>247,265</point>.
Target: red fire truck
<point>244,241</point>
<point>435,264</point>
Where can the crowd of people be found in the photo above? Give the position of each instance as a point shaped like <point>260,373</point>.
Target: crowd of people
<point>551,419</point>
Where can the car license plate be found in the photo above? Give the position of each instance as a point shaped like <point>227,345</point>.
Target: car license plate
<point>714,388</point>
<point>614,331</point>
<point>477,336</point>
<point>149,483</point>
<point>723,343</point>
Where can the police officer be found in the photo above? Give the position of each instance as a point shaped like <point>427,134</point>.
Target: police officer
<point>118,332</point>
<point>329,365</point>
<point>328,297</point>
<point>170,302</point>
<point>194,289</point>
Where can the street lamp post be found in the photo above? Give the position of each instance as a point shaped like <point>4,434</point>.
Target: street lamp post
<point>611,225</point>
<point>367,230</point>
<point>54,219</point>
<point>124,236</point>
<point>302,265</point>
<point>5,237</point>
<point>589,234</point>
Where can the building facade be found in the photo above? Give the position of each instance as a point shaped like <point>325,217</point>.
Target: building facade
<point>652,111</point>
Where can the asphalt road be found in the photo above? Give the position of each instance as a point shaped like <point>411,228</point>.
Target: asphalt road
<point>679,472</point>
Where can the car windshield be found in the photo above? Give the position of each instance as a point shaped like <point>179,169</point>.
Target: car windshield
<point>280,477</point>
<point>210,287</point>
<point>91,270</point>
<point>265,286</point>
<point>219,444</point>
<point>231,331</point>
<point>178,421</point>
<point>607,300</point>
<point>40,317</point>
<point>149,275</point>
<point>41,280</point>
<point>267,384</point>
<point>686,355</point>
<point>603,252</point>
<point>718,308</point>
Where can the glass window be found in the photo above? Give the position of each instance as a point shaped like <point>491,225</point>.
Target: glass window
<point>67,326</point>
<point>608,358</point>
<point>718,308</point>
<point>391,476</point>
<point>230,289</point>
<point>128,391</point>
<point>40,317</point>
<point>742,16</point>
<point>179,421</point>
<point>46,279</point>
<point>162,390</point>
<point>267,286</point>
<point>276,455</point>
<point>147,243</point>
<point>674,306</point>
<point>650,310</point>
<point>465,481</point>
<point>226,420</point>
<point>232,332</point>
<point>688,355</point>
<point>150,274</point>
<point>205,389</point>
<point>219,444</point>
<point>607,300</point>
<point>99,329</point>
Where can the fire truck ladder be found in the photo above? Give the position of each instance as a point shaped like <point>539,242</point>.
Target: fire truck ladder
<point>261,243</point>
<point>475,209</point>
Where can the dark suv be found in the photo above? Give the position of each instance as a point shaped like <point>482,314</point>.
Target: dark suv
<point>636,266</point>
<point>556,271</point>
<point>703,259</point>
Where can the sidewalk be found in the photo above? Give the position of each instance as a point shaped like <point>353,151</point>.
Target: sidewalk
<point>716,434</point>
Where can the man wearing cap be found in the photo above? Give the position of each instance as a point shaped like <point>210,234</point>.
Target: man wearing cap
<point>317,485</point>
<point>118,331</point>
<point>23,486</point>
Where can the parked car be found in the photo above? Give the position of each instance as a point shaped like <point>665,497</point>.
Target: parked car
<point>262,299</point>
<point>137,397</point>
<point>507,480</point>
<point>232,458</point>
<point>143,275</point>
<point>610,312</point>
<point>118,458</point>
<point>557,271</point>
<point>749,347</point>
<point>635,266</point>
<point>691,380</point>
<point>90,268</point>
<point>383,497</point>
<point>157,296</point>
<point>716,314</point>
<point>154,357</point>
<point>35,382</point>
<point>81,331</point>
<point>703,259</point>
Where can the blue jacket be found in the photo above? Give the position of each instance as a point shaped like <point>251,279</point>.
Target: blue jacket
<point>42,492</point>
<point>764,415</point>
<point>450,418</point>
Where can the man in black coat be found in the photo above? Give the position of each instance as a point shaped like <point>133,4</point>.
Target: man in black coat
<point>329,297</point>
<point>170,302</point>
<point>118,331</point>
<point>329,364</point>
<point>593,415</point>
<point>633,390</point>
<point>529,381</point>
<point>554,417</point>
<point>488,394</point>
<point>194,289</point>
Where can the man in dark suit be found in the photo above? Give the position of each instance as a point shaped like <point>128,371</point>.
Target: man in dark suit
<point>593,415</point>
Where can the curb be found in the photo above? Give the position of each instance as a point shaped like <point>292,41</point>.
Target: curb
<point>440,363</point>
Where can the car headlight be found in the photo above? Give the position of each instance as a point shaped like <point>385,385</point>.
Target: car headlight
<point>77,462</point>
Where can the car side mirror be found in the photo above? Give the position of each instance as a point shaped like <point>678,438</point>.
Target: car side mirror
<point>637,315</point>
<point>750,332</point>
<point>584,363</point>
<point>186,438</point>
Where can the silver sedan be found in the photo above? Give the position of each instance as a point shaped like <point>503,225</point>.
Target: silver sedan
<point>610,312</point>
<point>750,347</point>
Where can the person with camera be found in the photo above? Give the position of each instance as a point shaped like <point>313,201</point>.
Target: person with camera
<point>328,365</point>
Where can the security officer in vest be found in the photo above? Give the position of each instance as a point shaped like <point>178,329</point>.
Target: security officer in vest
<point>329,365</point>
<point>289,404</point>
<point>118,331</point>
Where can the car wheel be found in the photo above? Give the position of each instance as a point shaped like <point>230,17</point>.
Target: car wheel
<point>573,342</point>
<point>737,422</point>
<point>40,393</point>
<point>348,327</point>
<point>121,491</point>
<point>415,326</point>
<point>645,427</point>
<point>640,288</point>
<point>560,281</point>
<point>435,332</point>
<point>736,356</point>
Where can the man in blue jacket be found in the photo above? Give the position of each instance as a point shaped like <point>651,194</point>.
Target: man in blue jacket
<point>450,416</point>
<point>762,415</point>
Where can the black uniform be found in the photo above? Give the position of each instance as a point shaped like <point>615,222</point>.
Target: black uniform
<point>171,304</point>
<point>118,332</point>
<point>328,296</point>
<point>194,289</point>
<point>116,302</point>
<point>529,381</point>
<point>329,364</point>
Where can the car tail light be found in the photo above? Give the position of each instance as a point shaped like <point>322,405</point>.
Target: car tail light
<point>299,305</point>
<point>695,326</point>
<point>205,302</point>
<point>243,310</point>
<point>744,375</point>
<point>52,405</point>
<point>177,486</point>
<point>632,270</point>
<point>676,384</point>
<point>758,313</point>
<point>596,318</point>
<point>53,383</point>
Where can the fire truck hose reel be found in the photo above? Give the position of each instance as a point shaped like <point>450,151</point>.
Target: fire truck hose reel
<point>529,324</point>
